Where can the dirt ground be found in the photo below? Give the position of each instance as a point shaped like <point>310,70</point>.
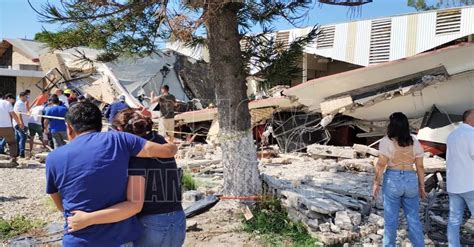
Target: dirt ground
<point>220,226</point>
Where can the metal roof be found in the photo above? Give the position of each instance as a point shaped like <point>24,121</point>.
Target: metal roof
<point>30,48</point>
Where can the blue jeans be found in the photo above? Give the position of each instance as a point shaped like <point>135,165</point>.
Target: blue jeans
<point>400,189</point>
<point>457,204</point>
<point>167,230</point>
<point>21,136</point>
<point>3,142</point>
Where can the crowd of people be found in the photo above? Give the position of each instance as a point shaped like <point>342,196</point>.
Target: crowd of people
<point>114,187</point>
<point>22,119</point>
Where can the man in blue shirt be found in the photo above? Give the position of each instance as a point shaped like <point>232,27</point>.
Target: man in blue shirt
<point>115,108</point>
<point>90,173</point>
<point>56,127</point>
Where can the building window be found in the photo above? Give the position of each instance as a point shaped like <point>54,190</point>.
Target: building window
<point>448,21</point>
<point>283,39</point>
<point>380,41</point>
<point>8,85</point>
<point>325,37</point>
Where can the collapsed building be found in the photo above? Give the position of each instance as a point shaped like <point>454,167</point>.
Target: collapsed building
<point>27,64</point>
<point>353,77</point>
<point>357,73</point>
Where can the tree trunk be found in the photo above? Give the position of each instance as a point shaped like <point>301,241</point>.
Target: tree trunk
<point>241,175</point>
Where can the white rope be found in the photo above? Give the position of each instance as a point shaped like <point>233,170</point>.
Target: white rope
<point>107,124</point>
<point>39,115</point>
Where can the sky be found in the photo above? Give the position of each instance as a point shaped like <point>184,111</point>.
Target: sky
<point>18,20</point>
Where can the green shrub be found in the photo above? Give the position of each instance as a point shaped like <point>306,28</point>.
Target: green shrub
<point>16,226</point>
<point>272,223</point>
<point>187,181</point>
<point>49,204</point>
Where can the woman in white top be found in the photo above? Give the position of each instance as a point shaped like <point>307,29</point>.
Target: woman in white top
<point>399,154</point>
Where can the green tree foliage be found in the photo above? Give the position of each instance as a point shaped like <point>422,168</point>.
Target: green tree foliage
<point>70,38</point>
<point>131,28</point>
<point>422,5</point>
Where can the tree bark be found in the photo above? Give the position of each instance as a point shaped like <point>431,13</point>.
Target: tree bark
<point>241,175</point>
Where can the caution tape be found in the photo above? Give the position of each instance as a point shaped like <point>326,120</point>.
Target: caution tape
<point>241,198</point>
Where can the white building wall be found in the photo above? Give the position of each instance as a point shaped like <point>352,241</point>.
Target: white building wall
<point>362,48</point>
<point>426,31</point>
<point>18,58</point>
<point>467,21</point>
<point>426,38</point>
<point>398,37</point>
<point>340,42</point>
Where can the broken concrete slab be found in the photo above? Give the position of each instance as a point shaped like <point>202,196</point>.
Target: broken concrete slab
<point>364,150</point>
<point>376,219</point>
<point>291,198</point>
<point>356,218</point>
<point>313,223</point>
<point>343,220</point>
<point>359,165</point>
<point>322,206</point>
<point>317,150</point>
<point>325,227</point>
<point>196,163</point>
<point>434,164</point>
<point>8,164</point>
<point>41,157</point>
<point>193,195</point>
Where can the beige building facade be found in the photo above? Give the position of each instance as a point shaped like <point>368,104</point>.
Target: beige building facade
<point>19,66</point>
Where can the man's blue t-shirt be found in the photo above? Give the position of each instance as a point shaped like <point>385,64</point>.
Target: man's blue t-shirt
<point>56,125</point>
<point>90,173</point>
<point>115,108</point>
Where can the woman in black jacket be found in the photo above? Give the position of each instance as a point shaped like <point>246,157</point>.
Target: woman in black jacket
<point>162,215</point>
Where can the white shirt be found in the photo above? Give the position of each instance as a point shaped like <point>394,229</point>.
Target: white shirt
<point>5,118</point>
<point>20,106</point>
<point>400,155</point>
<point>35,111</point>
<point>460,160</point>
<point>63,99</point>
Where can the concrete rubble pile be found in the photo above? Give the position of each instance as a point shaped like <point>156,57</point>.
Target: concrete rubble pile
<point>328,188</point>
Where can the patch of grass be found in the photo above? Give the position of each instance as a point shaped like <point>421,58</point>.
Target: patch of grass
<point>17,225</point>
<point>271,222</point>
<point>49,204</point>
<point>187,181</point>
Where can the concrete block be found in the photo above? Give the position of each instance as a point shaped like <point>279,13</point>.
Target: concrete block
<point>290,198</point>
<point>325,227</point>
<point>363,149</point>
<point>356,218</point>
<point>335,229</point>
<point>193,195</point>
<point>313,223</point>
<point>7,164</point>
<point>331,151</point>
<point>334,105</point>
<point>376,219</point>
